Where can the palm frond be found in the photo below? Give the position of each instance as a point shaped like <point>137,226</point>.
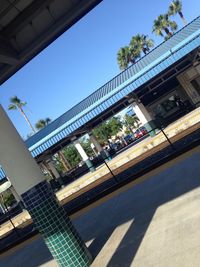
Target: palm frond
<point>12,107</point>
<point>42,123</point>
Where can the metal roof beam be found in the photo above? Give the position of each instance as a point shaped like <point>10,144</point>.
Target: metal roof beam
<point>25,17</point>
<point>7,53</point>
<point>9,8</point>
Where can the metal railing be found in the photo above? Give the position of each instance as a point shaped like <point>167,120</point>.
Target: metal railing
<point>171,150</point>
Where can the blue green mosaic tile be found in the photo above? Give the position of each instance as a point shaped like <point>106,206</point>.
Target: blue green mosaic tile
<point>55,226</point>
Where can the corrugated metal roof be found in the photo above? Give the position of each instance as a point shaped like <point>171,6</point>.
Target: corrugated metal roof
<point>164,55</point>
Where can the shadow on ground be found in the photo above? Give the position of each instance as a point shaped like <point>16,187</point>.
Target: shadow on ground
<point>133,209</point>
<point>33,254</point>
<point>138,205</point>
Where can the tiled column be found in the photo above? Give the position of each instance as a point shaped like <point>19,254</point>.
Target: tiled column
<point>144,116</point>
<point>83,155</point>
<point>50,219</point>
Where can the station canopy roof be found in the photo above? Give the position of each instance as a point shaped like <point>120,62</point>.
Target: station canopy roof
<point>151,65</point>
<point>28,26</point>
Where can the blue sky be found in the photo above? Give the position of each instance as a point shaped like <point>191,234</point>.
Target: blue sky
<point>83,58</point>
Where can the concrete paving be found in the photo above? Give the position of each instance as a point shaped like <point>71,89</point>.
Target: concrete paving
<point>154,224</point>
<point>124,160</point>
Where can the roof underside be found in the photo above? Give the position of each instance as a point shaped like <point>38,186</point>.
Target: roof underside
<point>148,67</point>
<point>28,26</point>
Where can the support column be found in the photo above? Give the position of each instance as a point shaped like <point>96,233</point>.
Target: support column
<point>44,168</point>
<point>55,173</point>
<point>53,169</point>
<point>2,209</point>
<point>94,149</point>
<point>188,87</point>
<point>15,194</point>
<point>101,151</point>
<point>144,116</point>
<point>17,197</point>
<point>83,155</point>
<point>50,219</point>
<point>64,161</point>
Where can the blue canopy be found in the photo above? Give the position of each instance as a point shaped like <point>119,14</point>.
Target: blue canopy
<point>159,59</point>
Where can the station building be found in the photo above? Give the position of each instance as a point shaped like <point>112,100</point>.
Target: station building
<point>161,86</point>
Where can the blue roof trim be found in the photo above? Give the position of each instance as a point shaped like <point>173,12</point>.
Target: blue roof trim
<point>2,174</point>
<point>184,41</point>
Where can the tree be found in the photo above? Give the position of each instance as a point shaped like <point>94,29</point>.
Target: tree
<point>141,43</point>
<point>162,23</point>
<point>123,57</point>
<point>157,28</point>
<point>42,123</point>
<point>102,133</point>
<point>131,122</point>
<point>86,144</point>
<point>107,129</point>
<point>7,199</point>
<point>17,104</point>
<point>62,162</point>
<point>135,51</point>
<point>72,155</point>
<point>176,8</point>
<point>130,54</point>
<point>115,125</point>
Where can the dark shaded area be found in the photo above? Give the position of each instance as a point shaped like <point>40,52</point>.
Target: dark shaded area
<point>34,254</point>
<point>17,236</point>
<point>138,204</point>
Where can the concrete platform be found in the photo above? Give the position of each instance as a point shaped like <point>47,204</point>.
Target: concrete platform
<point>153,224</point>
<point>124,160</point>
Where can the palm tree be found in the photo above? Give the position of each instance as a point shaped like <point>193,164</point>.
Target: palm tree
<point>135,50</point>
<point>162,23</point>
<point>17,104</point>
<point>123,57</point>
<point>42,123</point>
<point>176,8</point>
<point>131,121</point>
<point>141,42</point>
<point>157,28</point>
